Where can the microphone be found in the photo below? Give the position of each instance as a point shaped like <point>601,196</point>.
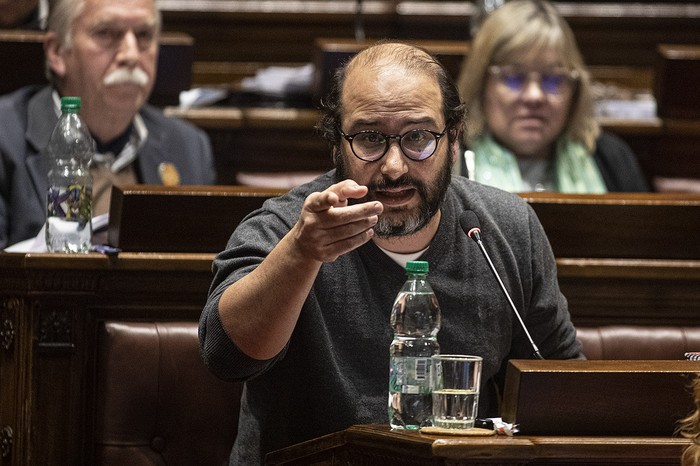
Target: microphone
<point>359,23</point>
<point>470,225</point>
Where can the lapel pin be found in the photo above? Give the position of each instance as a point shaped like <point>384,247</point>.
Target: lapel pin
<point>169,175</point>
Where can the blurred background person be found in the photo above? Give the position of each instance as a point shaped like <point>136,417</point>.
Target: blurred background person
<point>104,51</point>
<point>23,14</point>
<point>530,122</point>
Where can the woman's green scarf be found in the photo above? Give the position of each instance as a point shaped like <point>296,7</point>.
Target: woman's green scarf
<point>575,171</point>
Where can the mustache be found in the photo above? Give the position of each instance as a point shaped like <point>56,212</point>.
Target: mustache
<point>404,181</point>
<point>127,76</point>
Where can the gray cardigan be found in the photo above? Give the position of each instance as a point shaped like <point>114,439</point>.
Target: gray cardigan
<point>334,370</point>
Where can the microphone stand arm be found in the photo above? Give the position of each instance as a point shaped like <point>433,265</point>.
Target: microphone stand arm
<point>536,353</point>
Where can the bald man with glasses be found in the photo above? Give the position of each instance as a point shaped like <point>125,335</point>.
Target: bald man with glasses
<point>300,304</point>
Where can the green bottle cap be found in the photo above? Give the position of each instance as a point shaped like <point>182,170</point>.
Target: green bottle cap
<point>417,267</point>
<point>70,104</point>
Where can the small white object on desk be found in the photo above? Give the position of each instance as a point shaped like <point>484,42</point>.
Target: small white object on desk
<point>38,243</point>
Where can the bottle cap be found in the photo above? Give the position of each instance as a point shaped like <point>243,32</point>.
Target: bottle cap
<point>70,104</point>
<point>417,266</point>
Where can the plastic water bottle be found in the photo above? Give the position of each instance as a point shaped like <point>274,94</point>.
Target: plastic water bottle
<point>415,319</point>
<point>482,9</point>
<point>69,198</point>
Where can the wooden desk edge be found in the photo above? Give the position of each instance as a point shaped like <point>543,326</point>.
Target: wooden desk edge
<point>516,447</point>
<point>97,261</point>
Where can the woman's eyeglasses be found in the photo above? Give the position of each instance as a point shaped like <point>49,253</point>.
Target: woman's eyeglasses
<point>553,82</point>
<point>370,146</point>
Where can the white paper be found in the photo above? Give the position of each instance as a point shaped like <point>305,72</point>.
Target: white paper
<point>38,243</point>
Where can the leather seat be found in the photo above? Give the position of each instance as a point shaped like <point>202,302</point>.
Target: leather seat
<point>638,342</point>
<point>156,403</point>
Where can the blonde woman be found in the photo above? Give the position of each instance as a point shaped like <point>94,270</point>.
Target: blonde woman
<point>530,124</point>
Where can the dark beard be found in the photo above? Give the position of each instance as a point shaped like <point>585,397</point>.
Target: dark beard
<point>402,222</point>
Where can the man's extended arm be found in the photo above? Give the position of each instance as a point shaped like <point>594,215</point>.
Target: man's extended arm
<point>259,311</point>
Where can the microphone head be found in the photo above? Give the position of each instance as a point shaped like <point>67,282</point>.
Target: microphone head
<point>470,224</point>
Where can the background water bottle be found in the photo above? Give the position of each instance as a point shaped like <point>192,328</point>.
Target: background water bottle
<point>69,198</point>
<point>415,319</point>
<point>482,9</point>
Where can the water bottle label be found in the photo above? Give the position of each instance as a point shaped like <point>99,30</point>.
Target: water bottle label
<point>73,204</point>
<point>410,375</point>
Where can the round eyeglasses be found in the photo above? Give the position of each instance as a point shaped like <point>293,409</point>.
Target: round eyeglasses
<point>553,82</point>
<point>370,146</point>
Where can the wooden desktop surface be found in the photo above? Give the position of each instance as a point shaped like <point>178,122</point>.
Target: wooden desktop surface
<point>377,444</point>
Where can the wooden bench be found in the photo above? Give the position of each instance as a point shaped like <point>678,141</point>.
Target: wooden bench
<point>255,35</point>
<point>193,219</point>
<point>678,65</point>
<point>678,105</point>
<point>630,259</point>
<point>666,146</point>
<point>625,258</point>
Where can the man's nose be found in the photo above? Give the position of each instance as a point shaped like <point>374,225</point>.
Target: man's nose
<point>129,48</point>
<point>394,163</point>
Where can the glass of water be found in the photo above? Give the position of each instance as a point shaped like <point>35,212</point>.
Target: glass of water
<point>455,380</point>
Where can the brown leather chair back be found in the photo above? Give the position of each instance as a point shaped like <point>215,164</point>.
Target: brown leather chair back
<point>156,403</point>
<point>638,342</point>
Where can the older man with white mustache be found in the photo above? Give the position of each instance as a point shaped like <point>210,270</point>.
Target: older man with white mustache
<point>104,51</point>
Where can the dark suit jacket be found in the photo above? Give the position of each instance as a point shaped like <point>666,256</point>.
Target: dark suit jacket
<point>27,118</point>
<point>618,165</point>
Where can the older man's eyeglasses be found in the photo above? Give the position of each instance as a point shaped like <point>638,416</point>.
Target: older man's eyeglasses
<point>370,146</point>
<point>553,82</point>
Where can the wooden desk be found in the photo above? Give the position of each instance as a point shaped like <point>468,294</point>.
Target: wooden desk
<point>598,397</point>
<point>630,291</point>
<point>620,225</point>
<point>625,258</point>
<point>154,218</point>
<point>678,65</point>
<point>377,444</point>
<point>260,139</point>
<point>50,305</point>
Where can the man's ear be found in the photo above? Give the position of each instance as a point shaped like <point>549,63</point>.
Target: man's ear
<point>53,52</point>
